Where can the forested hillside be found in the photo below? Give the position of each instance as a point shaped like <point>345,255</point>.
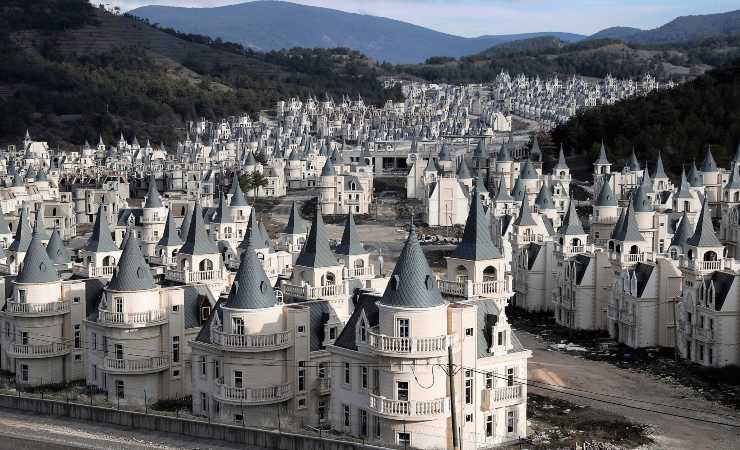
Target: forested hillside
<point>680,123</point>
<point>70,71</point>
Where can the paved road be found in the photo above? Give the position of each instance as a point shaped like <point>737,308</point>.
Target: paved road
<point>21,431</point>
<point>619,385</point>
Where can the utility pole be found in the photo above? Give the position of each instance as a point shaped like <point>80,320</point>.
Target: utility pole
<point>453,406</point>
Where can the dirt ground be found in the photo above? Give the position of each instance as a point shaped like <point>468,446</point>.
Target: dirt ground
<point>641,397</point>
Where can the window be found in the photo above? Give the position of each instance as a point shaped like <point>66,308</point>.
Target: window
<point>510,421</point>
<point>489,380</point>
<point>363,377</point>
<point>205,312</point>
<point>105,345</point>
<point>175,308</point>
<point>376,381</point>
<point>238,418</point>
<point>118,304</point>
<point>347,374</point>
<point>510,376</point>
<point>322,410</point>
<point>118,350</point>
<point>332,333</point>
<point>403,328</point>
<point>468,332</point>
<point>24,372</point>
<point>468,386</point>
<point>22,296</point>
<point>376,426</point>
<point>301,403</point>
<point>216,369</point>
<point>363,422</point>
<point>321,370</point>
<point>404,439</point>
<point>204,402</point>
<point>301,375</point>
<point>175,373</point>
<point>94,372</point>
<point>76,300</point>
<point>94,341</point>
<point>175,349</point>
<point>489,426</point>
<point>238,325</point>
<point>301,329</point>
<point>363,331</point>
<point>203,365</point>
<point>500,338</point>
<point>78,336</point>
<point>120,391</point>
<point>468,417</point>
<point>347,416</point>
<point>78,357</point>
<point>238,379</point>
<point>402,391</point>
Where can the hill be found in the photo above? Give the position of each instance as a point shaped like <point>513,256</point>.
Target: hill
<point>71,71</point>
<point>690,28</point>
<point>274,25</point>
<point>680,123</point>
<point>615,33</point>
<point>524,46</point>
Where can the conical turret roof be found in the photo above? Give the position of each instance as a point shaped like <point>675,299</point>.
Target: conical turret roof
<point>525,217</point>
<point>709,165</point>
<point>351,243</point>
<point>633,163</point>
<point>23,233</point>
<point>37,267</point>
<point>153,200</point>
<point>683,190</point>
<point>694,178</point>
<point>251,288</point>
<point>185,225</point>
<point>628,230</point>
<point>704,235</point>
<point>606,195</point>
<point>412,284</point>
<point>316,251</point>
<point>56,249</point>
<point>528,172</point>
<point>328,170</point>
<point>659,170</point>
<point>38,225</point>
<point>296,224</point>
<point>602,155</point>
<point>481,150</point>
<point>640,201</point>
<point>197,241</point>
<point>463,172</point>
<point>571,222</point>
<point>170,238</point>
<point>561,165</point>
<point>238,200</point>
<point>476,243</point>
<point>544,200</point>
<point>502,194</point>
<point>683,233</point>
<point>100,240</point>
<point>222,211</point>
<point>132,272</point>
<point>519,191</point>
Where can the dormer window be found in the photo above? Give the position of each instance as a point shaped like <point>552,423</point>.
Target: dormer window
<point>363,331</point>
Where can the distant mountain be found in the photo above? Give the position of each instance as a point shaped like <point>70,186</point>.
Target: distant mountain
<point>615,33</point>
<point>681,29</point>
<point>535,44</point>
<point>274,25</point>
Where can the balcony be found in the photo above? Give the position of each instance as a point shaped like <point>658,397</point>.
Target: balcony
<point>703,334</point>
<point>138,319</point>
<point>409,409</point>
<point>92,271</point>
<point>163,260</point>
<point>407,347</point>
<point>361,272</point>
<point>528,238</point>
<point>8,268</point>
<point>38,351</point>
<point>253,396</point>
<point>188,276</point>
<point>253,343</point>
<point>37,309</point>
<point>136,366</point>
<point>324,386</point>
<point>469,289</point>
<point>703,266</point>
<point>503,396</point>
<point>313,293</point>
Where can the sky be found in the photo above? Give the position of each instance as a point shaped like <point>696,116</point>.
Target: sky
<point>479,17</point>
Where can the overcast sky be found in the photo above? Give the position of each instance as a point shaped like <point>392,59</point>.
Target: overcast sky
<point>478,17</point>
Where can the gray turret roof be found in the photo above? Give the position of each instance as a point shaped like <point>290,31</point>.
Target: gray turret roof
<point>659,170</point>
<point>170,238</point>
<point>132,272</point>
<point>316,251</point>
<point>525,217</point>
<point>519,190</point>
<point>571,222</point>
<point>264,235</point>
<point>640,201</point>
<point>237,195</point>
<point>734,181</point>
<point>197,241</point>
<point>618,225</point>
<point>222,211</point>
<point>683,233</point>
<point>528,172</point>
<point>153,200</point>
<point>503,154</point>
<point>100,240</point>
<point>561,165</point>
<point>185,225</point>
<point>628,230</point>
<point>351,244</point>
<point>412,284</point>
<point>481,150</point>
<point>463,172</point>
<point>502,194</point>
<point>37,266</point>
<point>704,235</point>
<point>56,250</point>
<point>602,155</point>
<point>646,183</point>
<point>251,288</point>
<point>444,153</point>
<point>633,163</point>
<point>544,198</point>
<point>296,224</point>
<point>606,195</point>
<point>328,170</point>
<point>694,178</point>
<point>253,236</point>
<point>38,225</point>
<point>250,160</point>
<point>709,165</point>
<point>683,190</point>
<point>431,166</point>
<point>535,150</point>
<point>476,243</point>
<point>23,233</point>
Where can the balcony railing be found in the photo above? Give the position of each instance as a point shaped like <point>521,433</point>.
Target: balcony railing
<point>313,293</point>
<point>188,276</point>
<point>409,409</point>
<point>253,343</point>
<point>408,346</point>
<point>8,268</point>
<point>163,260</point>
<point>502,396</point>
<point>92,271</point>
<point>361,272</point>
<point>253,396</point>
<point>144,318</point>
<point>143,365</point>
<point>38,350</point>
<point>469,289</point>
<point>324,385</point>
<point>37,309</point>
<point>704,266</point>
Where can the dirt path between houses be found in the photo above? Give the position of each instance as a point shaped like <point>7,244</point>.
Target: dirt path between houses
<point>631,394</point>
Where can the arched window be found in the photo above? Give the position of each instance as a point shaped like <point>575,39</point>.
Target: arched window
<point>109,261</point>
<point>634,250</point>
<point>710,256</point>
<point>206,264</point>
<point>575,242</point>
<point>611,246</point>
<point>674,254</point>
<point>490,274</point>
<point>461,274</point>
<point>328,280</point>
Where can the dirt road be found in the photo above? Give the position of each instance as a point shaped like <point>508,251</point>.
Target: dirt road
<point>611,384</point>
